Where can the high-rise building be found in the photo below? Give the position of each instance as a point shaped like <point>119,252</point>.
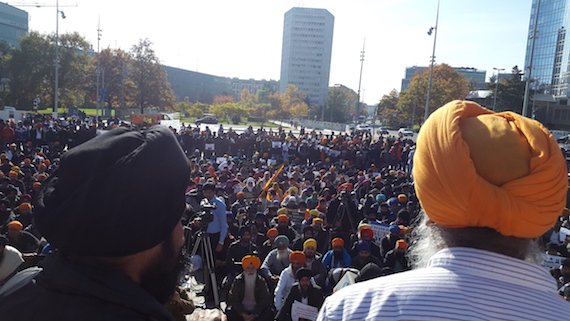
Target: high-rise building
<point>13,24</point>
<point>306,52</point>
<point>550,65</point>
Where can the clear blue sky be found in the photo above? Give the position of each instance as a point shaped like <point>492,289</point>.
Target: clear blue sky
<point>242,38</point>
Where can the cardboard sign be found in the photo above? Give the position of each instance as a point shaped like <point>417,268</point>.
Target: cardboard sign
<point>303,311</point>
<point>380,230</point>
<point>346,280</point>
<point>551,261</point>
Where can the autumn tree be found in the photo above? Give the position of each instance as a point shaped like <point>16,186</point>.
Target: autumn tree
<point>247,99</point>
<point>388,109</point>
<point>151,87</point>
<point>447,85</point>
<point>223,99</point>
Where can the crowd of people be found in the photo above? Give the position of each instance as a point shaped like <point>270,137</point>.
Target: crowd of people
<point>294,213</point>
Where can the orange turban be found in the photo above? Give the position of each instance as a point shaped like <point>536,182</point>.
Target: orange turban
<point>272,232</point>
<point>283,217</point>
<point>16,225</point>
<point>297,256</point>
<point>250,259</point>
<point>36,184</point>
<point>25,206</point>
<point>13,174</point>
<point>477,168</point>
<point>337,241</point>
<point>240,194</point>
<point>402,198</point>
<point>402,244</point>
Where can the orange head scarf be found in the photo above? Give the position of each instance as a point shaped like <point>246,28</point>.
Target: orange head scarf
<point>250,259</point>
<point>477,168</point>
<point>297,256</point>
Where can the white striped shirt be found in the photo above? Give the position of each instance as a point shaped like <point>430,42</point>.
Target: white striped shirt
<point>458,284</point>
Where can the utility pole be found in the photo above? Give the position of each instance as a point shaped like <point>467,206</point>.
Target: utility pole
<point>359,83</point>
<point>432,61</point>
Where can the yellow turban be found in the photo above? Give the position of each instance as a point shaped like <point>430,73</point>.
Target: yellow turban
<point>314,213</point>
<point>477,168</point>
<point>282,211</point>
<point>250,259</point>
<point>310,242</point>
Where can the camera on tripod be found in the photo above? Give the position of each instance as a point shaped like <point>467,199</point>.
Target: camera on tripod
<point>205,213</point>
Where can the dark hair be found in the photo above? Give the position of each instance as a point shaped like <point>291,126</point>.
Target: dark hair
<point>209,187</point>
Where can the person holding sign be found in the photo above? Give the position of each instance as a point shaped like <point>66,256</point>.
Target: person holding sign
<point>489,184</point>
<point>304,292</point>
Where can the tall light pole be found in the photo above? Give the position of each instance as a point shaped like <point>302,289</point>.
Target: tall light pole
<point>98,70</point>
<point>359,83</point>
<point>56,95</point>
<point>531,56</point>
<point>432,61</point>
<point>497,86</point>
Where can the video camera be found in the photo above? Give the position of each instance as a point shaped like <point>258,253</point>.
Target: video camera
<point>205,213</point>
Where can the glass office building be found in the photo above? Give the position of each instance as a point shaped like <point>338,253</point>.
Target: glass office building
<point>13,24</point>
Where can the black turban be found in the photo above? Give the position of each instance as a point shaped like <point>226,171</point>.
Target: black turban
<point>115,195</point>
<point>304,272</point>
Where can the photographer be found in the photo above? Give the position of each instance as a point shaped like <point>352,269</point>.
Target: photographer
<point>218,228</point>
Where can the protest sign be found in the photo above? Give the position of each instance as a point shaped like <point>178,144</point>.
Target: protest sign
<point>209,146</point>
<point>346,280</point>
<point>551,261</point>
<point>380,230</point>
<point>303,311</point>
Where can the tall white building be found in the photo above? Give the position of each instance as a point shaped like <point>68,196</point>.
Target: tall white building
<point>306,52</point>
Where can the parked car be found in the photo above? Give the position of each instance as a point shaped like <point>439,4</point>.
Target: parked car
<point>206,120</point>
<point>405,132</point>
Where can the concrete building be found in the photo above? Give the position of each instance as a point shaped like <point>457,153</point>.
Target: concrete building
<point>306,53</point>
<point>200,87</point>
<point>475,76</point>
<point>13,24</point>
<point>238,85</point>
<point>550,62</point>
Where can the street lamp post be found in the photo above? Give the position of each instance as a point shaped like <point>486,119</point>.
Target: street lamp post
<point>56,95</point>
<point>432,61</point>
<point>359,83</point>
<point>497,86</point>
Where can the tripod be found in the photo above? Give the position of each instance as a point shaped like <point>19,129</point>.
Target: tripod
<point>203,239</point>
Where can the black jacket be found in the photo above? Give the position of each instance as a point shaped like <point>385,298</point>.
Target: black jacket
<point>315,299</point>
<point>66,290</point>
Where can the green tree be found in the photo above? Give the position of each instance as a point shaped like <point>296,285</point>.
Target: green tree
<point>510,92</point>
<point>30,67</point>
<point>228,110</point>
<point>113,64</point>
<point>5,55</point>
<point>340,103</point>
<point>151,87</point>
<point>247,99</point>
<point>447,85</point>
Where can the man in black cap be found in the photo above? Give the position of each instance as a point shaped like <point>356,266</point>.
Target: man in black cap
<point>303,291</point>
<point>112,211</point>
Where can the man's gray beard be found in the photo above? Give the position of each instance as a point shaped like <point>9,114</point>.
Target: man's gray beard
<point>282,255</point>
<point>250,279</point>
<point>427,240</point>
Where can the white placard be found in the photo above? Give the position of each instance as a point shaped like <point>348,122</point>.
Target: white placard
<point>209,146</point>
<point>380,230</point>
<point>275,144</point>
<point>551,261</point>
<point>346,280</point>
<point>303,311</point>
